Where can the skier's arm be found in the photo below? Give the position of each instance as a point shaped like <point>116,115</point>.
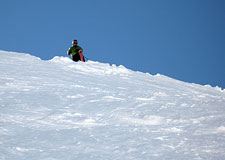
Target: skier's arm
<point>80,49</point>
<point>69,51</point>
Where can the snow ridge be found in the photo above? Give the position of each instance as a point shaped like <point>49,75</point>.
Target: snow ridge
<point>59,109</point>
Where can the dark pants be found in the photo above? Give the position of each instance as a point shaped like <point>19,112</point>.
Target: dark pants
<point>76,57</point>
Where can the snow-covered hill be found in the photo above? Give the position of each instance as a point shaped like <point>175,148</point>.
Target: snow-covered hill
<point>62,110</point>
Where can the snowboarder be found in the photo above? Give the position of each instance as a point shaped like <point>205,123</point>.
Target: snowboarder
<point>76,52</point>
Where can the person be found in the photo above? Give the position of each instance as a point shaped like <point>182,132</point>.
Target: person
<point>76,51</point>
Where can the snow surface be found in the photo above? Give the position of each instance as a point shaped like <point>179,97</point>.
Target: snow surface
<point>62,110</point>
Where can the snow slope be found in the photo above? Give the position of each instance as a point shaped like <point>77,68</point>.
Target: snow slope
<point>62,110</point>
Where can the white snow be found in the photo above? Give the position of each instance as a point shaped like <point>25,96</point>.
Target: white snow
<point>62,110</point>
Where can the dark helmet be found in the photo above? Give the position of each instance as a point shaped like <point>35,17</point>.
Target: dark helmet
<point>74,41</point>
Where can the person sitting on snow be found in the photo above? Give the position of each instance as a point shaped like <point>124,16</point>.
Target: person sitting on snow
<point>76,52</point>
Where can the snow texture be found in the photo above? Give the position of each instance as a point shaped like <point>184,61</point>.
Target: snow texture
<point>62,110</point>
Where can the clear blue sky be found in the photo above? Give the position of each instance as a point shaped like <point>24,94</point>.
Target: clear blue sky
<point>182,39</point>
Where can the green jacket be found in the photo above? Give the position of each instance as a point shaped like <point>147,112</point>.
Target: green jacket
<point>74,50</point>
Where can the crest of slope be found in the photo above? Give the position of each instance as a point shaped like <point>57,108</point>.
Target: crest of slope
<point>59,109</point>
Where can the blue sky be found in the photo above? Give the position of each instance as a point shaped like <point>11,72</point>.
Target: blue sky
<point>182,39</point>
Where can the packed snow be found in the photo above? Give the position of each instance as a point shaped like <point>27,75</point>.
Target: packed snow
<point>62,110</point>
